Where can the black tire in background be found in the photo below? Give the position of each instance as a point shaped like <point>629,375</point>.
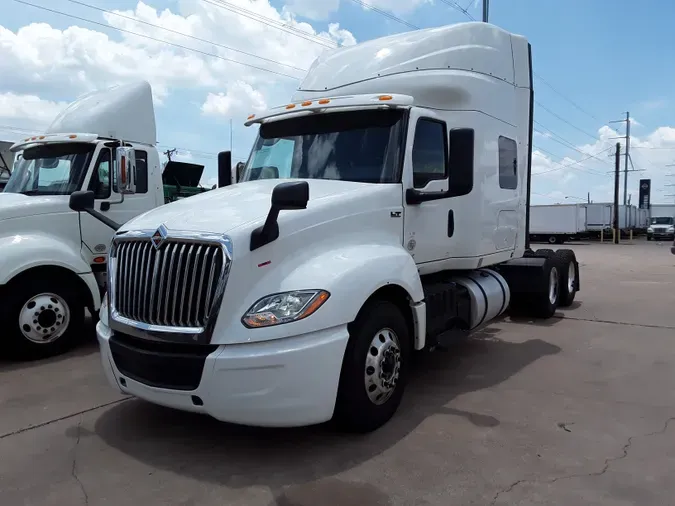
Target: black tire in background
<point>375,327</point>
<point>40,318</point>
<point>544,252</point>
<point>569,272</point>
<point>545,298</point>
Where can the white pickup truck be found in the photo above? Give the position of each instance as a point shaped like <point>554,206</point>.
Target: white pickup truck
<point>53,261</point>
<point>382,211</point>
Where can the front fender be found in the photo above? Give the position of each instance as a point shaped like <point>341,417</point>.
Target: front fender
<point>351,274</point>
<point>21,252</point>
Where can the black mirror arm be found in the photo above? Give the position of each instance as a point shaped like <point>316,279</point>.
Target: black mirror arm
<point>104,219</point>
<point>268,232</point>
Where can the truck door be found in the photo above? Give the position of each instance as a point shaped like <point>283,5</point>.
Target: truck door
<point>428,225</point>
<point>96,236</point>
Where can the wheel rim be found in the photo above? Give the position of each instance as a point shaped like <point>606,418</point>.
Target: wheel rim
<point>44,318</point>
<point>383,366</point>
<point>553,286</point>
<point>571,277</point>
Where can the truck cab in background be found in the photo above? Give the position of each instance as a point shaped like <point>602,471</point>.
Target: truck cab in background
<point>53,261</point>
<point>6,162</point>
<point>660,228</point>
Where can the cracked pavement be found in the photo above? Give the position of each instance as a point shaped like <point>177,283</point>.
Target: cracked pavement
<point>579,409</point>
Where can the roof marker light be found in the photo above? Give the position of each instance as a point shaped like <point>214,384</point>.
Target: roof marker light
<point>385,97</point>
<point>324,101</point>
<point>290,106</point>
<point>72,136</point>
<point>251,116</point>
<point>306,103</point>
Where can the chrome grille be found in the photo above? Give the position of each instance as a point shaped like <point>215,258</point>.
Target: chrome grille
<point>174,285</point>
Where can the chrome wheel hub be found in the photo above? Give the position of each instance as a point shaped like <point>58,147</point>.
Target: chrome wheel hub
<point>553,286</point>
<point>44,318</point>
<point>383,366</point>
<point>571,277</point>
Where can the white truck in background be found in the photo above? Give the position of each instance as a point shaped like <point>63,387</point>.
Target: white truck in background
<point>6,162</point>
<point>53,260</point>
<point>383,211</point>
<point>557,223</point>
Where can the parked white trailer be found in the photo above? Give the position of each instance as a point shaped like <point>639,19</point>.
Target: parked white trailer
<point>600,216</point>
<point>383,211</point>
<point>557,223</point>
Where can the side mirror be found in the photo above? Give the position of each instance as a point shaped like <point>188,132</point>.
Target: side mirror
<point>291,195</point>
<point>285,196</point>
<point>81,200</point>
<point>224,169</point>
<point>125,169</point>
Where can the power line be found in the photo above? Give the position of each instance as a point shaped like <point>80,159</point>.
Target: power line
<point>459,8</point>
<point>571,164</point>
<point>272,23</point>
<point>385,14</point>
<point>183,34</point>
<point>565,97</point>
<point>565,121</point>
<point>205,53</point>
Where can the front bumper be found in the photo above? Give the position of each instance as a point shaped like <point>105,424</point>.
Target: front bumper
<point>283,383</point>
<point>661,236</point>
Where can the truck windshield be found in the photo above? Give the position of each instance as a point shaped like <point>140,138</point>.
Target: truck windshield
<point>362,146</point>
<point>56,169</point>
<point>662,220</point>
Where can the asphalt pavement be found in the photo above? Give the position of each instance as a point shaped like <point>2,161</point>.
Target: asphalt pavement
<point>578,409</point>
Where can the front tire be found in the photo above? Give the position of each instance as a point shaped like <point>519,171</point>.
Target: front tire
<point>41,318</point>
<point>374,368</point>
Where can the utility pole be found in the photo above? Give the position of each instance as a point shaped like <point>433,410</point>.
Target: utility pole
<point>170,152</point>
<point>231,137</point>
<point>617,169</point>
<point>486,9</point>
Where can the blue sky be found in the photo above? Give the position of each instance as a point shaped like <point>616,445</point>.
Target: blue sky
<point>600,58</point>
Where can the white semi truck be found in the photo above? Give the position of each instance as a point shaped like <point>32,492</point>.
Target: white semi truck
<point>53,260</point>
<point>383,211</point>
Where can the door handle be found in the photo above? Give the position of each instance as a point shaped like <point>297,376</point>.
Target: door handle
<point>451,223</point>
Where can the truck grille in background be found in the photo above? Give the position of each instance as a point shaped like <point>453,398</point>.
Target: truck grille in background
<point>172,286</point>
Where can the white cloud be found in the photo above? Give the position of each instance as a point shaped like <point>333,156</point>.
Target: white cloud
<point>240,99</point>
<point>31,108</point>
<point>651,154</point>
<point>78,59</point>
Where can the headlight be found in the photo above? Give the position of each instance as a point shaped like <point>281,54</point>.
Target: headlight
<point>671,229</point>
<point>284,307</point>
<point>103,312</point>
<point>650,230</point>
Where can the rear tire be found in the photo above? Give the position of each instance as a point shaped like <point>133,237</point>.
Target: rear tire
<point>374,369</point>
<point>544,252</point>
<point>569,272</point>
<point>545,299</point>
<point>41,318</point>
